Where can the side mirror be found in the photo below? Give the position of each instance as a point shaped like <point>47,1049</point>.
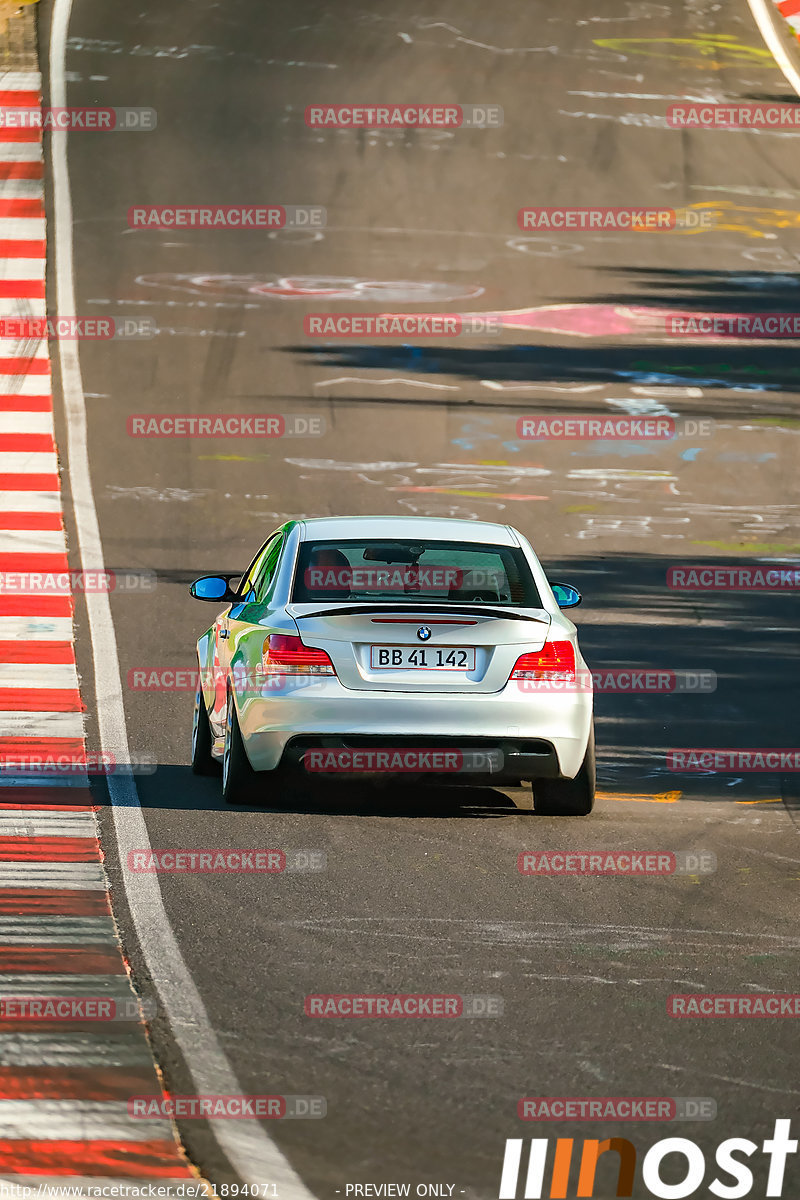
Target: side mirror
<point>566,595</point>
<point>215,588</point>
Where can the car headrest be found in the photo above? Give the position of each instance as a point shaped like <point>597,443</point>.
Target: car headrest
<point>472,595</point>
<point>328,558</point>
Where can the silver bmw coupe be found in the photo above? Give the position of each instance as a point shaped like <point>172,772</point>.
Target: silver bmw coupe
<point>394,646</point>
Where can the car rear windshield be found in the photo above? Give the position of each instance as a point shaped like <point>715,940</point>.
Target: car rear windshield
<point>409,570</point>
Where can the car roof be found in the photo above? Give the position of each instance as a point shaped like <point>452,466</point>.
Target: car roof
<point>443,529</point>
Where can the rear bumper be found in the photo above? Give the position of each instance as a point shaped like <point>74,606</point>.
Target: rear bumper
<point>537,735</point>
<point>472,760</point>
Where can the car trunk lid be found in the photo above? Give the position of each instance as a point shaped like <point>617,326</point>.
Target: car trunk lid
<point>430,648</point>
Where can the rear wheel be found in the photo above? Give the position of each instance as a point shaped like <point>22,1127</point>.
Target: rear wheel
<point>568,797</point>
<point>238,777</point>
<point>202,741</point>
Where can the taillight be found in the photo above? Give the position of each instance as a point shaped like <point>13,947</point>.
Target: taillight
<point>555,660</point>
<point>286,654</point>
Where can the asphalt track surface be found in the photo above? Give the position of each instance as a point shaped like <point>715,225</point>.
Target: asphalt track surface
<point>421,891</point>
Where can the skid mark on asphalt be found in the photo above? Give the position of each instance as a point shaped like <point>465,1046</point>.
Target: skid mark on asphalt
<point>436,930</point>
<point>746,1083</point>
<point>208,53</point>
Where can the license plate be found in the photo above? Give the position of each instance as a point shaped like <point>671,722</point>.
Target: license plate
<point>422,658</point>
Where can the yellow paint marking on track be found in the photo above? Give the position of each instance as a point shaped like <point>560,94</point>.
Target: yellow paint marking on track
<point>659,798</point>
<point>707,52</point>
<point>750,220</point>
<point>759,801</point>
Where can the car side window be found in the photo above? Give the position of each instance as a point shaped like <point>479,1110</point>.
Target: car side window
<point>265,572</point>
<point>247,588</point>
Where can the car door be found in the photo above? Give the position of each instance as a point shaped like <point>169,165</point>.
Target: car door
<point>244,616</point>
<point>223,632</point>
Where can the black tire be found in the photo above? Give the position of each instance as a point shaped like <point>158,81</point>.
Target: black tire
<point>238,777</point>
<point>202,761</point>
<point>568,797</point>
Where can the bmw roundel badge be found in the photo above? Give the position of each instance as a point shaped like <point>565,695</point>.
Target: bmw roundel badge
<point>423,633</point>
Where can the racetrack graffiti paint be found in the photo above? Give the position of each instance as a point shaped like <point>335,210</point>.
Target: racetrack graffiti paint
<point>314,287</point>
<point>707,53</point>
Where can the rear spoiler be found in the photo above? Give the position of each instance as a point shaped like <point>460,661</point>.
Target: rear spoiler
<point>429,610</point>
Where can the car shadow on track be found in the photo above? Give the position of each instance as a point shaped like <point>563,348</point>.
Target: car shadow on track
<point>175,787</point>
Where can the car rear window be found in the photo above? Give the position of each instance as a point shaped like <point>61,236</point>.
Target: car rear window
<point>407,570</point>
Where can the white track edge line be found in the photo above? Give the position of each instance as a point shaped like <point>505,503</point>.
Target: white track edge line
<point>251,1152</point>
